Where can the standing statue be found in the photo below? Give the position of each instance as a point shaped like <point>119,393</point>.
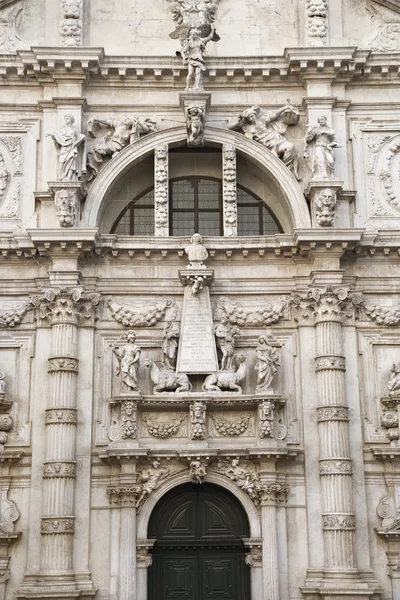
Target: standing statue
<point>225,339</point>
<point>169,347</point>
<point>71,149</point>
<point>196,252</point>
<point>268,128</point>
<point>394,381</point>
<point>122,132</point>
<point>319,144</point>
<point>128,357</point>
<point>266,365</point>
<point>149,479</point>
<point>195,28</point>
<point>193,51</point>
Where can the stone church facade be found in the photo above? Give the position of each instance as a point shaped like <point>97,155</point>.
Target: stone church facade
<point>209,416</point>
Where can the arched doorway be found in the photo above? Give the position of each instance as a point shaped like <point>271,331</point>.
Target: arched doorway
<point>199,552</point>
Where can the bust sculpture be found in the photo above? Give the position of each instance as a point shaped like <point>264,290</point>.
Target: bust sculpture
<point>196,252</point>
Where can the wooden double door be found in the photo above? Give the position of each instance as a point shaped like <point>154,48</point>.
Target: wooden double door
<point>199,552</point>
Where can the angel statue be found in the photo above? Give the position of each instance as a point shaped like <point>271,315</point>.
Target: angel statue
<point>121,133</point>
<point>193,51</point>
<point>71,150</point>
<point>319,144</point>
<point>268,128</point>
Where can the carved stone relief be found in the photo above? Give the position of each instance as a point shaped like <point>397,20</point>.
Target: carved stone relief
<point>161,190</point>
<point>6,420</point>
<point>197,470</point>
<point>229,189</point>
<point>9,513</point>
<point>317,22</point>
<point>386,34</point>
<point>325,204</point>
<point>149,479</point>
<point>163,426</point>
<point>67,207</point>
<point>10,39</point>
<point>232,426</point>
<point>167,380</point>
<point>227,381</point>
<point>195,121</point>
<point>71,23</point>
<point>198,420</point>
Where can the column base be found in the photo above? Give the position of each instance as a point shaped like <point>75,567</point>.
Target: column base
<point>332,584</point>
<point>63,586</point>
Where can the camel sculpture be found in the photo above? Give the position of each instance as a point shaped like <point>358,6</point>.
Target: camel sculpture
<point>166,380</point>
<point>227,380</point>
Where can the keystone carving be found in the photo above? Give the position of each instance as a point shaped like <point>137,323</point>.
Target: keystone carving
<point>197,470</point>
<point>195,120</point>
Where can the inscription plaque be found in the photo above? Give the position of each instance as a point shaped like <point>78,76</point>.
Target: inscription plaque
<point>197,351</point>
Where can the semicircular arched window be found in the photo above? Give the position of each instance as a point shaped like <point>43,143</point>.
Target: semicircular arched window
<point>195,205</point>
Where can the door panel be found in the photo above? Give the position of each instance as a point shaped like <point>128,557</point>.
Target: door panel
<point>199,553</point>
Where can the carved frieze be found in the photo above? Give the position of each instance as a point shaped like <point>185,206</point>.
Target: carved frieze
<point>335,467</point>
<point>382,315</point>
<point>330,363</point>
<point>59,469</point>
<point>64,364</point>
<point>57,416</point>
<point>338,522</point>
<point>332,413</point>
<point>140,315</point>
<point>57,525</point>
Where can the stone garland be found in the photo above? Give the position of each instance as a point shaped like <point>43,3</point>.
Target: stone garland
<point>231,428</point>
<point>161,429</point>
<point>71,23</point>
<point>237,314</point>
<point>317,22</point>
<point>386,173</point>
<point>131,315</point>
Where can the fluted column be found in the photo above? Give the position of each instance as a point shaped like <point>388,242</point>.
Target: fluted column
<point>124,497</point>
<point>272,494</point>
<point>335,465</point>
<point>64,310</point>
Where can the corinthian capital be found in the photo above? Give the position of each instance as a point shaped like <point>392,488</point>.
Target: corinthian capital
<point>327,304</point>
<point>67,305</point>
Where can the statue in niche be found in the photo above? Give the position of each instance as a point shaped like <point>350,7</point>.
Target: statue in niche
<point>195,116</point>
<point>71,149</point>
<point>268,128</point>
<point>266,365</point>
<point>128,357</point>
<point>225,339</point>
<point>394,381</point>
<point>319,144</point>
<point>170,345</point>
<point>122,132</point>
<point>149,479</point>
<point>196,252</point>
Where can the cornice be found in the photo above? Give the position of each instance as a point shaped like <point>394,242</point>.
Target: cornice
<point>45,65</point>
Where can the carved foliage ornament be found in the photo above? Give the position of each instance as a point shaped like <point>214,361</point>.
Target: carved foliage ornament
<point>229,189</point>
<point>163,429</point>
<point>66,305</point>
<point>6,420</point>
<point>389,172</point>
<point>9,513</point>
<point>386,34</point>
<point>161,184</point>
<point>231,427</point>
<point>328,304</point>
<point>142,315</point>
